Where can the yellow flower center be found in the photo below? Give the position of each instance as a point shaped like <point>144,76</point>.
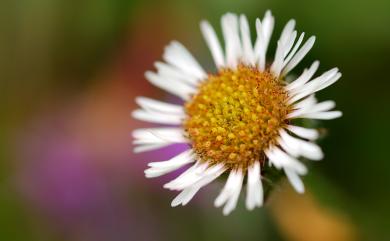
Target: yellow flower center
<point>236,116</point>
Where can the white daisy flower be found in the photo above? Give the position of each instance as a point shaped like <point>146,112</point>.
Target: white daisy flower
<point>239,120</point>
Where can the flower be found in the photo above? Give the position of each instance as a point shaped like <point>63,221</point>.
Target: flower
<point>239,120</point>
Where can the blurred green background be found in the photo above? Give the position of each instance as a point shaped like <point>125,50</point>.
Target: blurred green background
<point>69,72</point>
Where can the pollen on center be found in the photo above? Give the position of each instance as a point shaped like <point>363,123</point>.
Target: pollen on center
<point>235,116</point>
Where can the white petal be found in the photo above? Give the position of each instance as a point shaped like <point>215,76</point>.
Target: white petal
<point>159,136</point>
<point>183,197</point>
<point>152,105</point>
<point>177,55</point>
<point>319,107</point>
<point>190,176</point>
<point>152,173</point>
<point>247,49</point>
<point>231,191</point>
<point>293,51</point>
<point>213,43</point>
<point>310,134</point>
<point>268,24</point>
<point>285,43</point>
<point>160,118</point>
<point>171,85</point>
<point>290,162</point>
<point>287,31</point>
<point>161,168</point>
<point>188,193</point>
<point>300,55</point>
<point>295,180</point>
<point>278,60</point>
<point>178,161</point>
<point>149,147</point>
<point>168,71</point>
<point>318,81</point>
<point>289,44</point>
<point>325,84</point>
<point>158,112</point>
<point>264,31</point>
<point>306,103</point>
<point>317,84</point>
<point>298,147</point>
<point>233,49</point>
<point>281,160</point>
<point>234,195</point>
<point>323,115</point>
<point>254,195</point>
<point>227,189</point>
<point>304,77</point>
<point>323,106</point>
<point>259,45</point>
<point>292,150</point>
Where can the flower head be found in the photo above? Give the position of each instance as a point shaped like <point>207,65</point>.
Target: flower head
<point>239,120</point>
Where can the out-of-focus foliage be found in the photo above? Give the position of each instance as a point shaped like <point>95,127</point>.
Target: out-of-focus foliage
<point>69,71</point>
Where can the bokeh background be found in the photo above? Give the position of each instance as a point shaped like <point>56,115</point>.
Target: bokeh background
<point>69,73</point>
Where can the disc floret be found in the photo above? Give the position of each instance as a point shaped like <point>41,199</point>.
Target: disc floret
<point>236,115</point>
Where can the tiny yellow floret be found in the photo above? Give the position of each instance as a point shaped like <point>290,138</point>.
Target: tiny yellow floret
<point>236,115</point>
